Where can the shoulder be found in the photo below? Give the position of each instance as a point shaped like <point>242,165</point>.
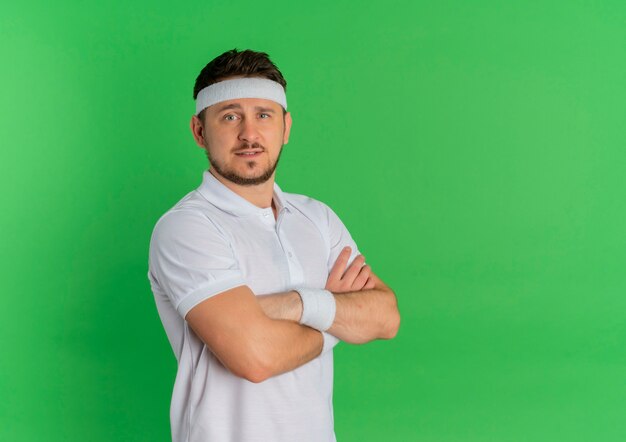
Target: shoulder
<point>187,218</point>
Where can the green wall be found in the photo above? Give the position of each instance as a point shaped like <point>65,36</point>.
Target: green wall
<point>474,149</point>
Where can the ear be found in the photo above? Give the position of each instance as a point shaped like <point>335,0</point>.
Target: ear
<point>287,128</point>
<point>197,130</point>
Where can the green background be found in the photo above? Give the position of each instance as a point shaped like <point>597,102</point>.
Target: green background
<point>475,150</point>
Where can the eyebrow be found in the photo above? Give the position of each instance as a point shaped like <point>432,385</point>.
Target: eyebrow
<point>238,107</point>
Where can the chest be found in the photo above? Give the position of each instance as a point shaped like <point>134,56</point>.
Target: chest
<point>276,256</point>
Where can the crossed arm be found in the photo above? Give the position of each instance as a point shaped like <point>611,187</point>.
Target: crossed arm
<point>272,341</point>
<point>366,308</point>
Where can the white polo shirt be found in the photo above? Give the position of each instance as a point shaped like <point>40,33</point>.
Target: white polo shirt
<point>211,241</point>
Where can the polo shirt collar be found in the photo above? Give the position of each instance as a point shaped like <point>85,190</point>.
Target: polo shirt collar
<point>225,199</point>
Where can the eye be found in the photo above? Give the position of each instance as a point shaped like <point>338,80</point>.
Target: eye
<point>264,116</point>
<point>230,117</point>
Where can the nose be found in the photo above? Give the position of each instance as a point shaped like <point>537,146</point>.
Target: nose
<point>248,131</point>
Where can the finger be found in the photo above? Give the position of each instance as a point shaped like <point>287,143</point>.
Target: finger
<point>340,265</point>
<point>375,280</point>
<point>361,279</point>
<point>353,271</point>
<point>370,284</point>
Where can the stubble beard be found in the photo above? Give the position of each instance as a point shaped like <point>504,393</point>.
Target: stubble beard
<point>234,177</point>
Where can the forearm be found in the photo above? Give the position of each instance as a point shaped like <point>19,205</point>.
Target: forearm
<point>248,342</point>
<point>365,315</point>
<point>282,345</point>
<point>283,305</point>
<point>360,317</point>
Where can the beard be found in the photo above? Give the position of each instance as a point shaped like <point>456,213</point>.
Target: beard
<point>234,177</point>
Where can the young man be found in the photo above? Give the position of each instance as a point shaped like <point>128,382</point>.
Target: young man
<point>255,286</point>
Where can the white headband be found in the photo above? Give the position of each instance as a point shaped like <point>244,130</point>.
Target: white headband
<point>240,88</point>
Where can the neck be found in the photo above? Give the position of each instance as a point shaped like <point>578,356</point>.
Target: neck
<point>259,194</point>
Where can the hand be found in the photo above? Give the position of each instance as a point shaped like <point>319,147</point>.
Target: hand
<point>357,277</point>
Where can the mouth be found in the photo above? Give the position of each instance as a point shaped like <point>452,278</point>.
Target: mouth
<point>252,153</point>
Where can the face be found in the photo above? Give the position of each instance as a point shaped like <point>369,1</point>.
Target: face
<point>243,138</point>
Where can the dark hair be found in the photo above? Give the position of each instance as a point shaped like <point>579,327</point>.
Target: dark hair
<point>233,63</point>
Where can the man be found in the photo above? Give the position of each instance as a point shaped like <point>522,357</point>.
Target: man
<point>255,286</point>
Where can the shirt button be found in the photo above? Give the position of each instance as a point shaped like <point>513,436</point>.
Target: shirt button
<point>289,254</point>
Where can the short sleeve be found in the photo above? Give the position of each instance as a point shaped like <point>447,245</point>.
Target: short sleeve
<point>339,237</point>
<point>190,260</point>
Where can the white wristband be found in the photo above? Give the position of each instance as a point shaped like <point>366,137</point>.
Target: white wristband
<point>318,308</point>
